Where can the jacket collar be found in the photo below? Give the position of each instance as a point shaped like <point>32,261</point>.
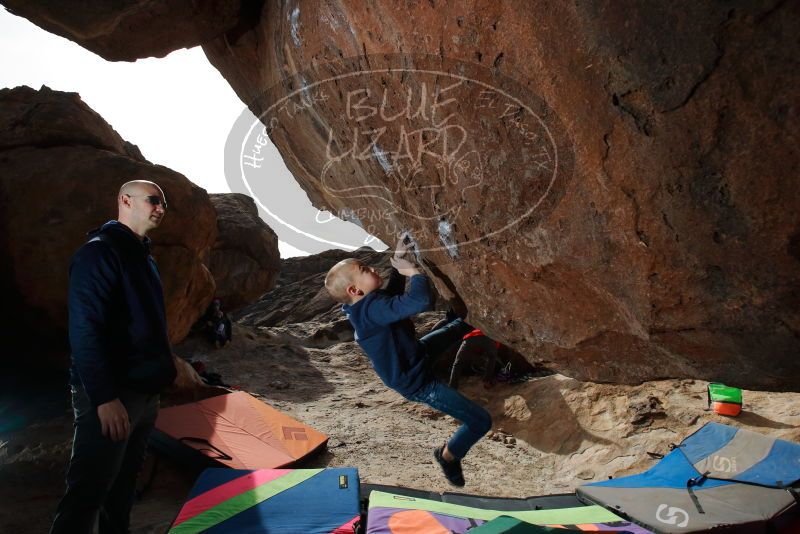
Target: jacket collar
<point>120,229</point>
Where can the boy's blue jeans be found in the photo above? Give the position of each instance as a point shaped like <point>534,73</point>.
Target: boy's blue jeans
<point>476,421</point>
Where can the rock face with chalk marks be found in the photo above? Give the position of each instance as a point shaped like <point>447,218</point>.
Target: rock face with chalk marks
<point>609,187</point>
<point>646,256</point>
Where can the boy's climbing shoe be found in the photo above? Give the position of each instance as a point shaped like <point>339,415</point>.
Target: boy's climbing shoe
<point>452,470</point>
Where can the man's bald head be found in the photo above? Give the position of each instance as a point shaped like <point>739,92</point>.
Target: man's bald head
<point>139,187</point>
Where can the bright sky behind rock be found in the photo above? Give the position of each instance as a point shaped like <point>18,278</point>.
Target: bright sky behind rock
<point>178,109</point>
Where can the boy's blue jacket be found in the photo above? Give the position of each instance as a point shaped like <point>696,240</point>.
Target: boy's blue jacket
<point>385,332</point>
<point>117,323</point>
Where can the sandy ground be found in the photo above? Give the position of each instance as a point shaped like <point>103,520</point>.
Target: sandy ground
<point>550,434</point>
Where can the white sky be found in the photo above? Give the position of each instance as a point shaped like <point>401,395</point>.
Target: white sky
<point>178,110</point>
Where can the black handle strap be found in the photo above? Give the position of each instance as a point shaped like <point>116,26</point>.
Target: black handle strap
<point>696,481</point>
<point>695,500</point>
<point>220,454</point>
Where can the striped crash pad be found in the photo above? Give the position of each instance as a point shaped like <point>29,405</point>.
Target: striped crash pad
<point>275,501</point>
<point>233,430</point>
<point>720,475</point>
<point>403,514</point>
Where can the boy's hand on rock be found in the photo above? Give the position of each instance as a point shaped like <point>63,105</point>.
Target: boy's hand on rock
<point>404,267</point>
<point>401,248</point>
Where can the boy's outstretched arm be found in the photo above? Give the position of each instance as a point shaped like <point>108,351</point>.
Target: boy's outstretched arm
<point>397,283</point>
<point>397,280</point>
<point>417,299</point>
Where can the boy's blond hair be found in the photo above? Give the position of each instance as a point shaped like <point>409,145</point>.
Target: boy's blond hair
<point>337,280</point>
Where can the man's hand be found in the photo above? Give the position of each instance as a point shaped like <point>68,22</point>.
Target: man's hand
<point>404,267</point>
<point>114,420</point>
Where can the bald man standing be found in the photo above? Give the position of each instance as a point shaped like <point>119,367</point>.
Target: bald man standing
<point>121,360</point>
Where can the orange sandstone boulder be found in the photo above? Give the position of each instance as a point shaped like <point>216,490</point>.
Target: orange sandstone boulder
<point>61,166</point>
<point>244,260</point>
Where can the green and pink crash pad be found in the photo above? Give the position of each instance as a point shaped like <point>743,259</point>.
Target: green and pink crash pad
<point>275,501</point>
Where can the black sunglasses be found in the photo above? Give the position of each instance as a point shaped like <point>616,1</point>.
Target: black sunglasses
<point>155,200</point>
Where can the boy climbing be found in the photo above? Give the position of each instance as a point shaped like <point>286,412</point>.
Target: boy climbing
<point>383,329</point>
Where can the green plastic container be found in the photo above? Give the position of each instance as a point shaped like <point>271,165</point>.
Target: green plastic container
<point>725,400</point>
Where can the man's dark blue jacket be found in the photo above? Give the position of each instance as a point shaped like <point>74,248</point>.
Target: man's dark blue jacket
<point>117,323</point>
<point>385,332</point>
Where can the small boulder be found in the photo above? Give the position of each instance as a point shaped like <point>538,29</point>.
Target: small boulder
<point>244,260</point>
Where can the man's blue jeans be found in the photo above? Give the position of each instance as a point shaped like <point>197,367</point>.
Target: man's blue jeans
<point>476,421</point>
<point>102,473</point>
